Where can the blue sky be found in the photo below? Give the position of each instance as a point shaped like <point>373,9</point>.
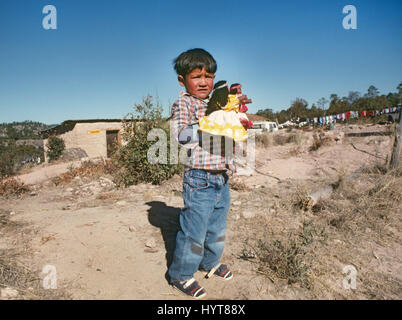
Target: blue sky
<point>106,55</point>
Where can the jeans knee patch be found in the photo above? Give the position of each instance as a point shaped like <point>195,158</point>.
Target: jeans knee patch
<point>197,249</point>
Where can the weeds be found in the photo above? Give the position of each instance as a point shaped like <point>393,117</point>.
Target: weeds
<point>12,186</point>
<point>319,141</point>
<point>87,169</point>
<point>238,185</point>
<point>290,258</point>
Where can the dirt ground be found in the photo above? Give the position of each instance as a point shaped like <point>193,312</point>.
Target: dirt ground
<point>108,243</point>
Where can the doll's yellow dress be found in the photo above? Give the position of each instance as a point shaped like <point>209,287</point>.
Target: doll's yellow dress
<point>225,122</point>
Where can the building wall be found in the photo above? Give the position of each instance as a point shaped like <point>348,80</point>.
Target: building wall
<point>90,137</point>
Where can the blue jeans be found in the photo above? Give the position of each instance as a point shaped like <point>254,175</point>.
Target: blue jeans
<point>200,241</point>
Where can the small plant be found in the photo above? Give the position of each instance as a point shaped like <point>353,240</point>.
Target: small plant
<point>265,140</point>
<point>132,158</point>
<point>319,141</point>
<point>55,147</point>
<point>12,186</point>
<point>238,185</point>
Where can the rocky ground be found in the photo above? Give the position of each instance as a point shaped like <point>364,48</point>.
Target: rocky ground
<point>104,242</point>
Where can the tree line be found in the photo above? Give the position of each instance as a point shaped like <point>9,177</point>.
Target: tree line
<point>355,101</point>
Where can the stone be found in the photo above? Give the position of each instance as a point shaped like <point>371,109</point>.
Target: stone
<point>121,203</point>
<point>9,293</point>
<point>237,203</point>
<point>248,214</point>
<point>131,228</point>
<point>236,217</point>
<point>151,243</point>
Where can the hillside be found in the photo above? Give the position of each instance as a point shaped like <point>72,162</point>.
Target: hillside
<point>19,141</point>
<point>22,130</point>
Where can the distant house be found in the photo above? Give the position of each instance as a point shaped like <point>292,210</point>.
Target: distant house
<point>97,138</point>
<point>256,118</point>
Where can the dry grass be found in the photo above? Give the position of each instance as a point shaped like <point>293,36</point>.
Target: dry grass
<point>238,185</point>
<point>87,169</point>
<point>319,141</point>
<point>14,274</point>
<point>269,139</point>
<point>309,246</point>
<point>12,186</point>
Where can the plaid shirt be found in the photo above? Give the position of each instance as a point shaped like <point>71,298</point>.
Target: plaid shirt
<point>186,111</point>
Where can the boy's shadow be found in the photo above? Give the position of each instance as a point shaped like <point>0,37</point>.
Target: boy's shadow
<point>167,219</point>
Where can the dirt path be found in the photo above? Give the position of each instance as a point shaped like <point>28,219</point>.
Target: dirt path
<point>107,243</point>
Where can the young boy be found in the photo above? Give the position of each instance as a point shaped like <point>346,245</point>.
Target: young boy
<point>206,194</point>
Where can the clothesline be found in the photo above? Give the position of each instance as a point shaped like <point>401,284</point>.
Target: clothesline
<point>352,115</point>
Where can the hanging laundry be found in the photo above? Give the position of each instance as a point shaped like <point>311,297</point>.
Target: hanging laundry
<point>348,115</point>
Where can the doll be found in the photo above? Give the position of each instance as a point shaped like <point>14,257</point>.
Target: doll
<point>223,116</point>
<point>236,90</point>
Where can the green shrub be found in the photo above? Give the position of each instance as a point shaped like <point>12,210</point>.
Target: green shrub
<point>55,147</point>
<point>132,158</point>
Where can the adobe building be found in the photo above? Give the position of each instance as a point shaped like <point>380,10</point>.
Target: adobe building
<point>97,138</point>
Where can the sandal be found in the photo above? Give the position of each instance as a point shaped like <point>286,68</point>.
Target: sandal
<point>190,288</point>
<point>221,271</point>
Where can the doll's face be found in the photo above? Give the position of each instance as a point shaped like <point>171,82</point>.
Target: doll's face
<point>236,88</point>
<point>198,82</point>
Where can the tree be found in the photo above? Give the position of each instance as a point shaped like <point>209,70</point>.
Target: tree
<point>321,103</point>
<point>55,147</point>
<point>298,109</point>
<point>132,158</point>
<point>399,92</point>
<point>267,113</point>
<point>353,96</point>
<point>372,92</point>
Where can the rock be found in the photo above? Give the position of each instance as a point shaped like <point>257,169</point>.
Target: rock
<point>121,203</point>
<point>9,293</point>
<point>106,181</point>
<point>237,203</point>
<point>248,214</point>
<point>70,190</point>
<point>151,243</point>
<point>131,228</point>
<point>12,213</point>
<point>236,217</point>
<point>33,193</point>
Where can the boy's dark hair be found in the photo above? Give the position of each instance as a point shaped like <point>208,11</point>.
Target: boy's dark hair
<point>194,59</point>
<point>219,97</point>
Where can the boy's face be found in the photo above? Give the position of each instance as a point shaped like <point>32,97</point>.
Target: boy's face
<point>198,82</point>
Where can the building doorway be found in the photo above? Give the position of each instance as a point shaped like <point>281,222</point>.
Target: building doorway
<point>112,141</point>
